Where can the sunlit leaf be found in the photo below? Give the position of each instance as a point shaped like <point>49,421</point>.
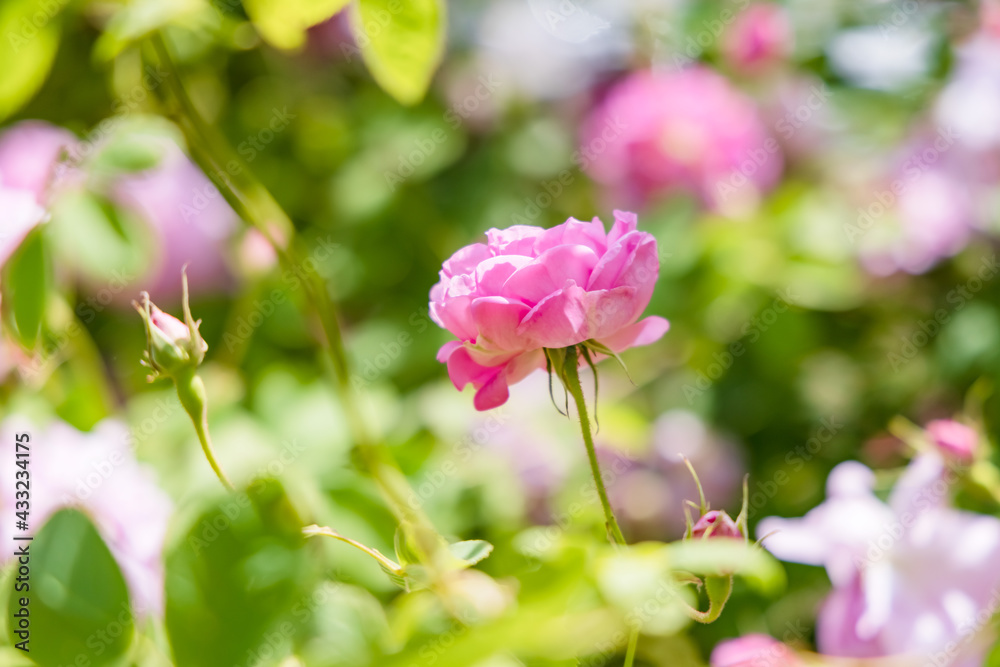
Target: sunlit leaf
<point>25,287</point>
<point>471,551</point>
<point>283,23</point>
<point>30,39</point>
<point>79,603</point>
<point>402,42</point>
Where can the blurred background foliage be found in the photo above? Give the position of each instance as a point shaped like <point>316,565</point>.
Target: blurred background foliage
<point>331,132</point>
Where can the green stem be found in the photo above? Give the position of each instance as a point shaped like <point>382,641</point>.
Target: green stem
<point>191,392</point>
<point>255,205</point>
<point>571,376</point>
<point>633,641</point>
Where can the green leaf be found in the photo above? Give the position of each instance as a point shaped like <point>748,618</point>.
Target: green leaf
<point>26,286</point>
<point>140,18</point>
<point>78,599</point>
<point>235,578</point>
<point>283,23</point>
<point>471,551</point>
<point>28,50</point>
<point>104,242</point>
<point>402,42</point>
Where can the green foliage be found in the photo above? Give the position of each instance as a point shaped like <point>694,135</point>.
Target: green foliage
<point>402,42</point>
<point>233,582</point>
<point>78,601</point>
<point>283,23</point>
<point>29,49</point>
<point>26,284</point>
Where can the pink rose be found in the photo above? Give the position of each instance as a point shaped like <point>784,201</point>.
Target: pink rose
<point>953,439</point>
<point>530,288</point>
<point>685,131</point>
<point>753,651</point>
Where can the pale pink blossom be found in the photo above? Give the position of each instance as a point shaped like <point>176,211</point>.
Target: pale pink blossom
<point>909,575</point>
<point>96,474</point>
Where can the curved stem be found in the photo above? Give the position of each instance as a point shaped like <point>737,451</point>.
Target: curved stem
<point>571,377</point>
<point>191,392</point>
<point>255,205</point>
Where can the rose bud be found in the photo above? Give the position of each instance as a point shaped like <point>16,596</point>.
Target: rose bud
<point>715,523</point>
<point>172,346</point>
<point>953,439</point>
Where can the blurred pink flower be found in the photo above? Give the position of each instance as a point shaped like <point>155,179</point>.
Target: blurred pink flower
<point>753,650</point>
<point>29,152</point>
<point>931,218</point>
<point>688,130</point>
<point>191,220</point>
<point>96,474</point>
<point>953,439</point>
<point>530,288</point>
<point>760,35</point>
<point>911,576</point>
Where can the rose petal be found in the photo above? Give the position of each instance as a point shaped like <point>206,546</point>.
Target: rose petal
<point>644,332</point>
<point>515,240</point>
<point>492,273</point>
<point>625,222</point>
<point>465,259</point>
<point>572,315</point>
<point>493,393</point>
<point>497,319</point>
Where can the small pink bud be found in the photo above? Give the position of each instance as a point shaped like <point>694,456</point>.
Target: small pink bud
<point>759,36</point>
<point>173,347</point>
<point>753,651</point>
<point>953,439</point>
<point>715,523</point>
